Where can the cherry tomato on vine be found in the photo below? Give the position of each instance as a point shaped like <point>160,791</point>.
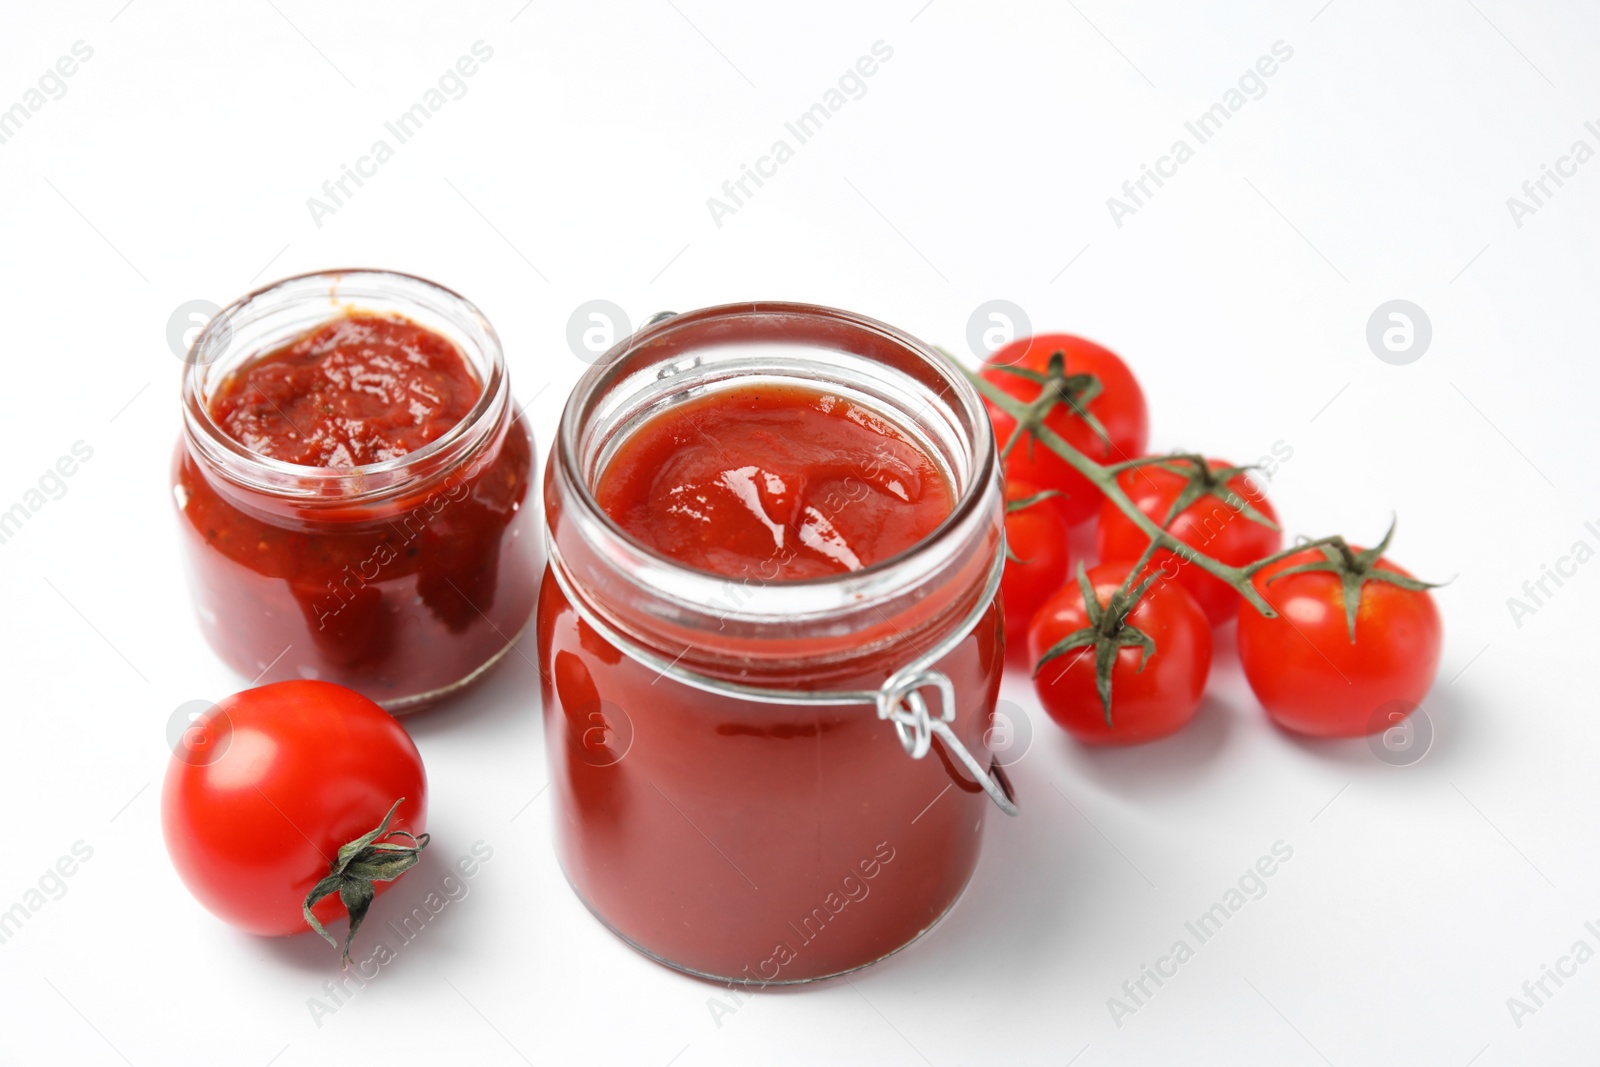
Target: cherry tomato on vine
<point>266,788</point>
<point>1091,390</point>
<point>1320,668</point>
<point>1219,511</point>
<point>1038,559</point>
<point>1164,631</point>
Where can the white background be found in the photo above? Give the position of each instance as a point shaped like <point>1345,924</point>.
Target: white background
<point>977,166</point>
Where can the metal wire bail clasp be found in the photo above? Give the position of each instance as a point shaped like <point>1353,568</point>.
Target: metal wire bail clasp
<point>901,702</point>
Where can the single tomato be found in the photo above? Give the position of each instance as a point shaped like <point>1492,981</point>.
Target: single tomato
<point>265,789</point>
<point>1155,656</point>
<point>1093,391</point>
<point>1218,510</point>
<point>1038,559</point>
<point>1356,642</point>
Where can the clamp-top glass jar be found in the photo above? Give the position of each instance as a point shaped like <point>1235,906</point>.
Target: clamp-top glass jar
<point>404,579</point>
<point>771,781</point>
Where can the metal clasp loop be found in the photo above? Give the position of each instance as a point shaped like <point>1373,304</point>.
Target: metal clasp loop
<point>901,702</point>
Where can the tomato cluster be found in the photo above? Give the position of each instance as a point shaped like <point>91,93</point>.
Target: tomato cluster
<point>1122,650</point>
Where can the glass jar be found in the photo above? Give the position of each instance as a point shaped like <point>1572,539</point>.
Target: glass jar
<point>771,781</point>
<point>405,580</point>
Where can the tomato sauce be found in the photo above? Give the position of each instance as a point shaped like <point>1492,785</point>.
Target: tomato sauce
<point>359,389</point>
<point>751,841</point>
<point>400,597</point>
<point>797,483</point>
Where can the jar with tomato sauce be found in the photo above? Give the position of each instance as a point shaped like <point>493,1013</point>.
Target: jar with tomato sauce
<point>770,640</point>
<point>352,485</point>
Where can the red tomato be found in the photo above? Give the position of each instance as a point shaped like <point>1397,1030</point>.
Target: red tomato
<point>1145,704</point>
<point>1308,673</point>
<point>1209,523</point>
<point>1038,560</point>
<point>1119,407</point>
<point>289,773</point>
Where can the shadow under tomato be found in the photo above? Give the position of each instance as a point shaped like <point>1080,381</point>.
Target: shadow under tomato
<point>1440,736</point>
<point>1170,765</point>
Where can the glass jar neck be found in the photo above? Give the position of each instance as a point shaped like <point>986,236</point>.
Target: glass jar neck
<point>284,311</point>
<point>807,633</point>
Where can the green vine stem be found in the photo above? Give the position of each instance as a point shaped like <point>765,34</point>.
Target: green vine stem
<point>1108,631</point>
<point>1030,419</point>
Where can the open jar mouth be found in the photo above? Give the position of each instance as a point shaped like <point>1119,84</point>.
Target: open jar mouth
<point>277,314</point>
<point>693,354</point>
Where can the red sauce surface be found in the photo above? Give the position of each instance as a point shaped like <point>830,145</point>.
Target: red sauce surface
<point>359,389</point>
<point>394,598</point>
<point>751,841</point>
<point>784,482</point>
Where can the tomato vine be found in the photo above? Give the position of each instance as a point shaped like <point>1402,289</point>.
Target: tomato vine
<point>1106,634</point>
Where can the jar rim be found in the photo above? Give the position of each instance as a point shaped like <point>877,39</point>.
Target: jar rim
<point>976,490</point>
<point>345,290</point>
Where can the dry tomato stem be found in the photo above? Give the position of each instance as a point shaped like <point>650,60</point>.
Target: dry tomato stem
<point>372,857</point>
